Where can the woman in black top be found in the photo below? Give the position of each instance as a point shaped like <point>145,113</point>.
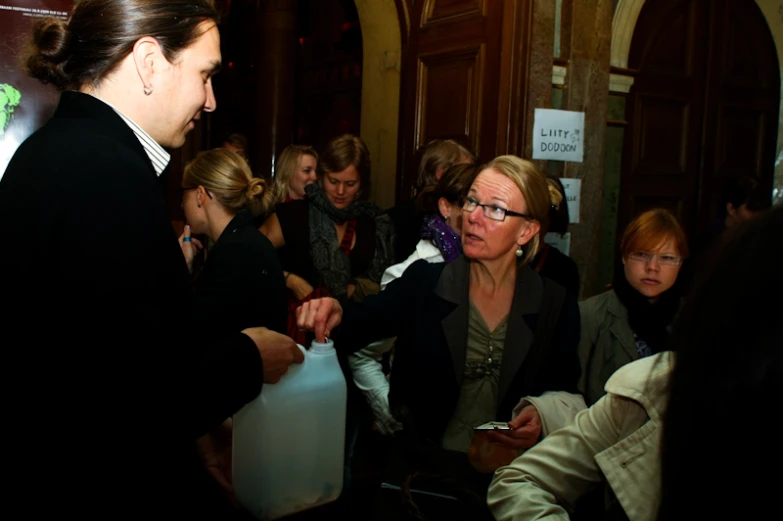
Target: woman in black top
<point>241,283</point>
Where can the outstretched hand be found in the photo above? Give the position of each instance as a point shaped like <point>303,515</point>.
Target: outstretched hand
<point>319,315</point>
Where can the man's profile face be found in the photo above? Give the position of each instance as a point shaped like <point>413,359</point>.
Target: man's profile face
<point>186,86</point>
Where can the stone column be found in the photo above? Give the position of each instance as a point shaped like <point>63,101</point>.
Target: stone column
<point>587,90</point>
<point>274,114</point>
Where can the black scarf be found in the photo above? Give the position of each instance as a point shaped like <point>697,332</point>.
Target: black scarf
<point>317,198</point>
<point>649,321</point>
<point>329,260</point>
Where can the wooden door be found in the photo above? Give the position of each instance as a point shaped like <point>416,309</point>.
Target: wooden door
<point>703,108</point>
<point>454,84</point>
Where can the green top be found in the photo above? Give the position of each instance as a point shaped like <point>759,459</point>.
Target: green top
<point>478,399</point>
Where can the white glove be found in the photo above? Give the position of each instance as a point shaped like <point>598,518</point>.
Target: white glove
<point>378,399</point>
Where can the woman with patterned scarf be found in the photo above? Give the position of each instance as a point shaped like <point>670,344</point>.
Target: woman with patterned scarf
<point>334,242</point>
<point>441,241</point>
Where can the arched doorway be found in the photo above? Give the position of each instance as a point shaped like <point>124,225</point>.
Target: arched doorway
<point>381,23</point>
<point>703,108</point>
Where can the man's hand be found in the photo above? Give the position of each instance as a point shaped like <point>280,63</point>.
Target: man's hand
<point>525,430</point>
<point>277,352</point>
<point>215,451</point>
<point>319,315</point>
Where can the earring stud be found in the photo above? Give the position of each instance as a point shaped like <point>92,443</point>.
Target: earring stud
<point>520,251</point>
<point>147,91</point>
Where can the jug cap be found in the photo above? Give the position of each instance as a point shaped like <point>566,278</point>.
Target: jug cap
<point>322,346</point>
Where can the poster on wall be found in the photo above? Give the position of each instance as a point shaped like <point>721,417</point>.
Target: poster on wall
<point>559,135</point>
<point>25,103</point>
<point>561,242</point>
<point>573,196</point>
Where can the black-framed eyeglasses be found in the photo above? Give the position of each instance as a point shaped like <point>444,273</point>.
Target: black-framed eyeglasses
<point>186,188</point>
<point>491,211</point>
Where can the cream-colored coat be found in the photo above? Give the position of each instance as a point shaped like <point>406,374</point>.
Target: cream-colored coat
<point>617,440</point>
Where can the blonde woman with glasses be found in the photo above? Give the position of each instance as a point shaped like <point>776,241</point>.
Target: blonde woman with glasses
<point>476,334</point>
<point>632,319</point>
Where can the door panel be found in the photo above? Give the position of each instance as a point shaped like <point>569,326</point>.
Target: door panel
<point>742,103</point>
<point>444,111</point>
<point>444,10</point>
<point>665,112</point>
<point>663,122</point>
<point>703,108</point>
<point>451,81</point>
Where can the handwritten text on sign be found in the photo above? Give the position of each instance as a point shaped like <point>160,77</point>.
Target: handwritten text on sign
<point>559,135</point>
<point>573,194</point>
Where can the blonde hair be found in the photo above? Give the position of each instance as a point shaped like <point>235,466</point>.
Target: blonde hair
<point>650,229</point>
<point>286,168</point>
<point>536,190</point>
<point>558,210</point>
<point>440,153</point>
<point>228,179</point>
<point>555,196</point>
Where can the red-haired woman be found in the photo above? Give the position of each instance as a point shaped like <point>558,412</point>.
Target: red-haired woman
<point>632,320</point>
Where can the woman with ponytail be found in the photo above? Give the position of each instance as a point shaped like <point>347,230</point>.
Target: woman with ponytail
<point>551,262</point>
<point>241,283</point>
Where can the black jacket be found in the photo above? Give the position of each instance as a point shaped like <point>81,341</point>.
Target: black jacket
<point>109,380</point>
<point>241,284</point>
<point>427,310</point>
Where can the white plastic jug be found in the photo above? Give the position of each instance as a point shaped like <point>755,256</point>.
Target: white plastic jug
<point>288,444</point>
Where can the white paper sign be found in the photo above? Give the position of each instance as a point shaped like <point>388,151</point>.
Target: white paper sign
<point>573,194</point>
<point>559,135</point>
<point>562,243</point>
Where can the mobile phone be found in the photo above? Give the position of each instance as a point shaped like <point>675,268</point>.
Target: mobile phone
<point>493,426</point>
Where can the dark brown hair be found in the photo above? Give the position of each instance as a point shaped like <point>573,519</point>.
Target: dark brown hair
<point>453,186</point>
<point>440,153</point>
<point>727,339</point>
<point>101,33</point>
<point>342,152</point>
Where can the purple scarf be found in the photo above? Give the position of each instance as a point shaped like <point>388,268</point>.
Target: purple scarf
<point>435,230</point>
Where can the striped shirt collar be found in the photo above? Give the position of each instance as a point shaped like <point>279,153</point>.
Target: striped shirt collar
<point>158,156</point>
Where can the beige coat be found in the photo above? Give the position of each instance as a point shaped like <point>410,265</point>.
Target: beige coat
<point>617,440</point>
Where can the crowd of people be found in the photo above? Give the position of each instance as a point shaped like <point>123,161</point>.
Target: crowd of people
<point>449,311</point>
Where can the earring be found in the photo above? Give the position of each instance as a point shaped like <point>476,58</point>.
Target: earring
<point>520,251</point>
<point>147,91</point>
